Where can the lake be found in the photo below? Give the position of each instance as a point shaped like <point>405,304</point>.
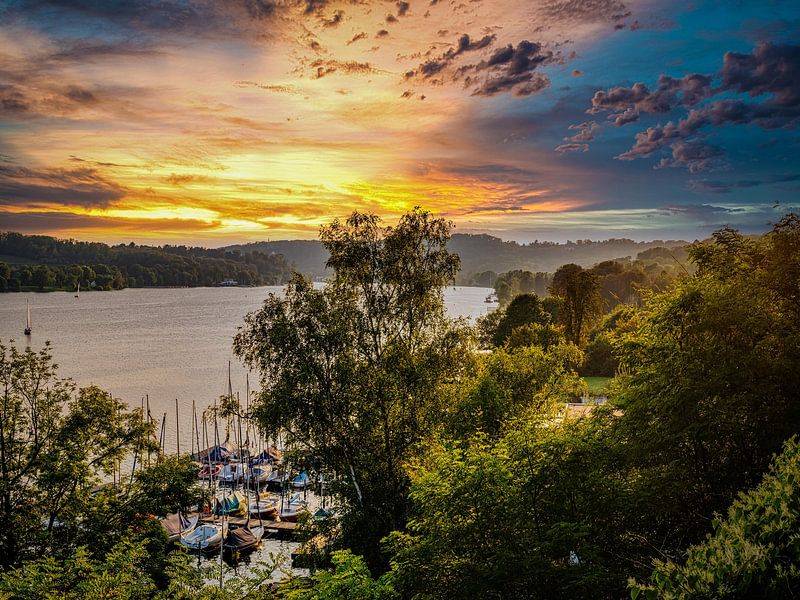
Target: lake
<point>167,343</point>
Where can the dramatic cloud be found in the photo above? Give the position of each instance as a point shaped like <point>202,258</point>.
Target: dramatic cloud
<point>511,69</point>
<point>769,70</point>
<point>435,66</point>
<point>20,186</point>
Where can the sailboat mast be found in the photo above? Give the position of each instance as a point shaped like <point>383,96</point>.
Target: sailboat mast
<point>177,428</point>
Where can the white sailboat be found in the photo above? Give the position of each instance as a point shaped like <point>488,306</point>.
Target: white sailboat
<point>28,320</point>
<point>78,291</point>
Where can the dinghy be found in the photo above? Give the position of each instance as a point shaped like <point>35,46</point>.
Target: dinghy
<point>295,509</point>
<point>205,538</point>
<point>242,539</point>
<point>257,476</point>
<point>265,508</point>
<point>230,504</point>
<point>232,473</point>
<point>209,471</point>
<point>301,482</point>
<point>177,525</point>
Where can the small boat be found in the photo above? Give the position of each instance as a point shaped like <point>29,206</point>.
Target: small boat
<point>265,508</point>
<point>295,509</point>
<point>301,482</point>
<point>28,319</point>
<point>322,514</point>
<point>264,458</point>
<point>232,473</point>
<point>230,504</point>
<point>243,539</point>
<point>78,290</point>
<point>257,476</point>
<point>204,538</point>
<point>209,471</point>
<point>177,525</point>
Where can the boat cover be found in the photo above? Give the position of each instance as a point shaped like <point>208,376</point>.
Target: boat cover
<point>240,538</point>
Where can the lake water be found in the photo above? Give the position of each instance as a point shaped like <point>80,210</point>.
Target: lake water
<point>167,343</point>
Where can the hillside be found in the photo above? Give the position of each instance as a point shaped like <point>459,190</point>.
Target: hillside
<point>480,253</point>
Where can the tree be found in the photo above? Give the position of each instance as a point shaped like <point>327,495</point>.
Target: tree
<point>708,384</point>
<point>42,277</point>
<point>525,309</point>
<point>350,578</point>
<point>53,449</point>
<point>523,517</point>
<point>753,553</point>
<point>511,382</point>
<point>356,372</point>
<point>581,303</point>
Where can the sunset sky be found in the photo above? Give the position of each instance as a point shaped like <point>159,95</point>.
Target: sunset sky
<point>220,121</point>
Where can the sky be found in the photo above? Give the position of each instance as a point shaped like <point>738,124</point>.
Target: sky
<point>222,121</point>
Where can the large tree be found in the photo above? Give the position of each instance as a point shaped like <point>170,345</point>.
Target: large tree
<point>54,448</point>
<point>357,372</point>
<point>581,302</point>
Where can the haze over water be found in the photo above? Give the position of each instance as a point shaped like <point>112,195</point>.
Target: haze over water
<point>167,343</point>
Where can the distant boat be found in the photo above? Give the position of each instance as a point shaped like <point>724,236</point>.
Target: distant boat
<point>78,291</point>
<point>28,320</point>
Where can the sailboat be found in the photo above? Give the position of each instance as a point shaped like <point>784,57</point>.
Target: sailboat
<point>28,320</point>
<point>78,290</point>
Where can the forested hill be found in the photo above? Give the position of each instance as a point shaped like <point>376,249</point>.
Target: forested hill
<point>45,262</point>
<point>480,253</point>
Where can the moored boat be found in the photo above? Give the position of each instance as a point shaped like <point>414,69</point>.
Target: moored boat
<point>177,525</point>
<point>209,471</point>
<point>230,504</point>
<point>232,473</point>
<point>301,482</point>
<point>258,475</point>
<point>205,538</point>
<point>265,508</point>
<point>294,510</point>
<point>243,539</point>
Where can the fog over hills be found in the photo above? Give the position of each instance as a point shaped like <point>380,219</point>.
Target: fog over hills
<point>480,253</point>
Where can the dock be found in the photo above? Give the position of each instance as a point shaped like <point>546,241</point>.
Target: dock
<point>279,528</point>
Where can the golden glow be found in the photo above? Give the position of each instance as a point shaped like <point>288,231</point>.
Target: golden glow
<point>238,139</point>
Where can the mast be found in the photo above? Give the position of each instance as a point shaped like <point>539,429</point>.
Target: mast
<point>177,428</point>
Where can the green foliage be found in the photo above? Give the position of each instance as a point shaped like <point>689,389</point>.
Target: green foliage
<point>54,450</point>
<point>350,579</point>
<point>524,517</point>
<point>510,382</point>
<point>525,309</point>
<point>357,373</point>
<point>509,285</point>
<point>753,553</point>
<point>710,373</point>
<point>80,577</point>
<point>581,303</point>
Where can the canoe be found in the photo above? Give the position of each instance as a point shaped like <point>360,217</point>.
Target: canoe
<point>177,525</point>
<point>204,538</point>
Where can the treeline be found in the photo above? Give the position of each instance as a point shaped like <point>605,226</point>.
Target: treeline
<point>584,302</point>
<point>484,256</point>
<point>43,262</point>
